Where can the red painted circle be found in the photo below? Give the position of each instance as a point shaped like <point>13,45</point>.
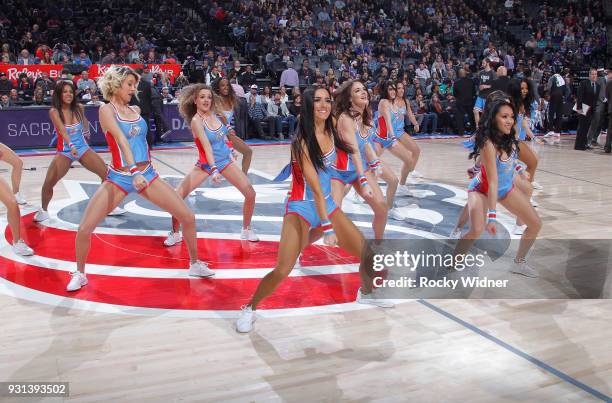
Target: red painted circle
<point>127,251</point>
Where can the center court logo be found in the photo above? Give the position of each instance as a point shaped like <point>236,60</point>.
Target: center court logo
<point>130,271</point>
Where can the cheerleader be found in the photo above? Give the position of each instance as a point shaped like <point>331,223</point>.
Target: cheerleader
<point>520,180</point>
<point>403,107</point>
<point>68,117</point>
<point>386,120</point>
<point>7,155</point>
<point>522,96</point>
<point>358,167</point>
<point>310,204</point>
<point>197,106</point>
<point>497,146</point>
<point>230,107</point>
<point>9,196</point>
<point>130,172</point>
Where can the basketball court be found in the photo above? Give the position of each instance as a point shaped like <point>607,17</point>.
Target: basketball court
<point>143,330</point>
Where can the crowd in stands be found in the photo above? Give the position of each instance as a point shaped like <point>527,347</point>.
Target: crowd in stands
<point>284,46</point>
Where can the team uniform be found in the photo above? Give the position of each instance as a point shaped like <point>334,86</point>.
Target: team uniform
<point>77,138</point>
<point>221,150</point>
<point>300,200</point>
<point>522,133</point>
<point>135,132</point>
<point>398,119</point>
<point>505,175</point>
<point>382,135</point>
<point>345,169</point>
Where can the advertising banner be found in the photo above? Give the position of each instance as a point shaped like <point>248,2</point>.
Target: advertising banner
<point>31,127</point>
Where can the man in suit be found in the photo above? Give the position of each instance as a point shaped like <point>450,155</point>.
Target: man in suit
<point>465,93</point>
<point>145,103</point>
<point>599,110</point>
<point>608,146</point>
<point>588,91</point>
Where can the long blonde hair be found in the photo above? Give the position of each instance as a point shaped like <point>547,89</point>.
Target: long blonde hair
<point>187,106</point>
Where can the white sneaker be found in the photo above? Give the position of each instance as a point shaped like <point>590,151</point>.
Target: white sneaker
<point>536,185</point>
<point>361,299</point>
<point>519,229</point>
<point>173,238</point>
<point>77,280</point>
<point>533,202</point>
<point>244,323</point>
<point>455,233</point>
<point>523,268</point>
<point>21,249</point>
<point>403,190</point>
<point>41,215</point>
<point>415,174</point>
<point>20,199</point>
<point>200,269</point>
<point>249,234</point>
<point>117,211</point>
<point>396,215</point>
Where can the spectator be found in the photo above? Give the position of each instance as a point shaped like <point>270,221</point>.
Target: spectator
<point>5,84</point>
<point>295,106</point>
<point>257,112</point>
<point>82,59</point>
<point>95,100</point>
<point>278,115</point>
<point>235,72</point>
<point>253,93</point>
<point>14,97</point>
<point>306,75</point>
<point>443,116</point>
<point>25,87</point>
<point>213,76</point>
<point>283,94</point>
<point>422,74</point>
<point>289,77</point>
<point>25,58</point>
<point>266,95</point>
<point>247,78</point>
<point>7,56</point>
<point>45,83</point>
<point>424,116</point>
<point>86,83</point>
<point>85,94</point>
<point>5,101</point>
<point>177,95</point>
<point>39,98</point>
<point>109,58</point>
<point>180,82</point>
<point>61,53</point>
<point>98,55</point>
<point>166,95</point>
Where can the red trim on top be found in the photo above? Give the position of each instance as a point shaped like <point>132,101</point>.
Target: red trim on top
<point>342,160</point>
<point>202,154</point>
<point>382,128</point>
<point>298,190</point>
<point>114,150</point>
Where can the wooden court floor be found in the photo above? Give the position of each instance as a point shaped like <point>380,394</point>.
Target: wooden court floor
<point>476,350</point>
